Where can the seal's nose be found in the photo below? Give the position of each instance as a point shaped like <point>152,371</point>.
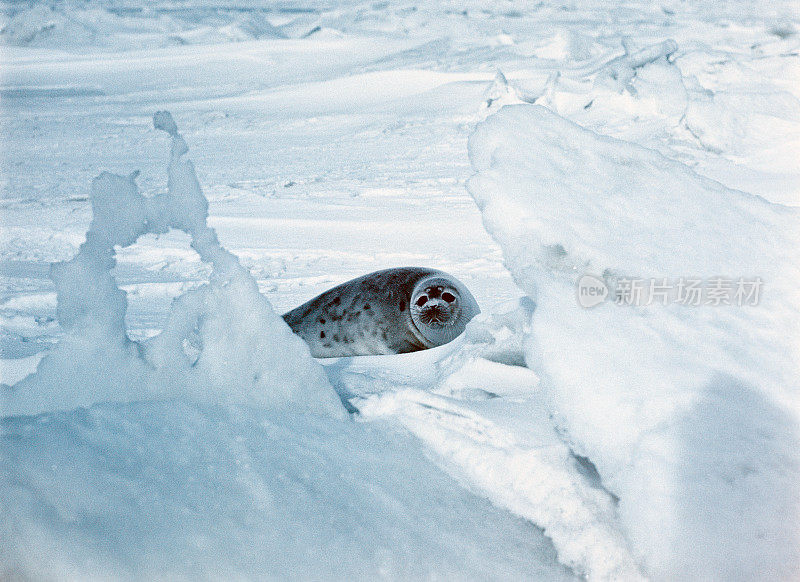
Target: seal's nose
<point>434,292</point>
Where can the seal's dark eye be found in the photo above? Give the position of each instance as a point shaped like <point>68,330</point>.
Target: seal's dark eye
<point>422,301</point>
<point>449,297</point>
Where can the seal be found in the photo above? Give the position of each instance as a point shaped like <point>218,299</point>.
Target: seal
<point>393,311</point>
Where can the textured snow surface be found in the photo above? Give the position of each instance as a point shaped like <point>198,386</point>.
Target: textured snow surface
<point>175,490</point>
<point>176,428</point>
<point>690,413</point>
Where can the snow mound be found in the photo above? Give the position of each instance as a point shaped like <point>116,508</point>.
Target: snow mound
<point>183,491</point>
<point>764,126</point>
<point>690,413</point>
<point>223,343</point>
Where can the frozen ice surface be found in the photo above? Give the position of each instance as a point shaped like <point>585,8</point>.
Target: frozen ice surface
<point>331,140</point>
<point>75,25</point>
<point>210,464</point>
<point>690,414</point>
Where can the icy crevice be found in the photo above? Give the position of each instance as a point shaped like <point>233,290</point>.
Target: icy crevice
<point>247,355</point>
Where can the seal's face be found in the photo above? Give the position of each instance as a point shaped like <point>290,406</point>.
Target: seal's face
<point>440,309</point>
<point>436,306</point>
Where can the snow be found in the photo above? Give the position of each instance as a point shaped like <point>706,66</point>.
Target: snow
<point>688,412</point>
<point>176,490</point>
<point>77,25</point>
<point>539,481</point>
<point>222,342</point>
<point>175,428</point>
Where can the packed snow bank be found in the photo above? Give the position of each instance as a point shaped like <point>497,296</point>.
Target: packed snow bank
<point>182,491</point>
<point>690,413</point>
<point>481,416</point>
<point>507,450</point>
<point>223,343</point>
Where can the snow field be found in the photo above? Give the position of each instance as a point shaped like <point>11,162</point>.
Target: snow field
<point>539,482</point>
<point>332,141</point>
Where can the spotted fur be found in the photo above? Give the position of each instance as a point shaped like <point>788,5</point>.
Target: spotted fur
<point>393,311</point>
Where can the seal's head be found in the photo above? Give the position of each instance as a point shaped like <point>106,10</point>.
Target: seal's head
<point>441,309</point>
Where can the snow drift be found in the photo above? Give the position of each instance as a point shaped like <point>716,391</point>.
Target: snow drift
<point>689,413</point>
<point>184,491</point>
<point>223,343</point>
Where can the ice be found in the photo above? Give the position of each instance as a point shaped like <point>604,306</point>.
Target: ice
<point>760,126</point>
<point>183,491</point>
<point>621,71</point>
<point>331,140</point>
<point>690,414</point>
<point>531,473</point>
<point>201,458</point>
<point>573,174</point>
<point>75,25</point>
<point>222,343</point>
